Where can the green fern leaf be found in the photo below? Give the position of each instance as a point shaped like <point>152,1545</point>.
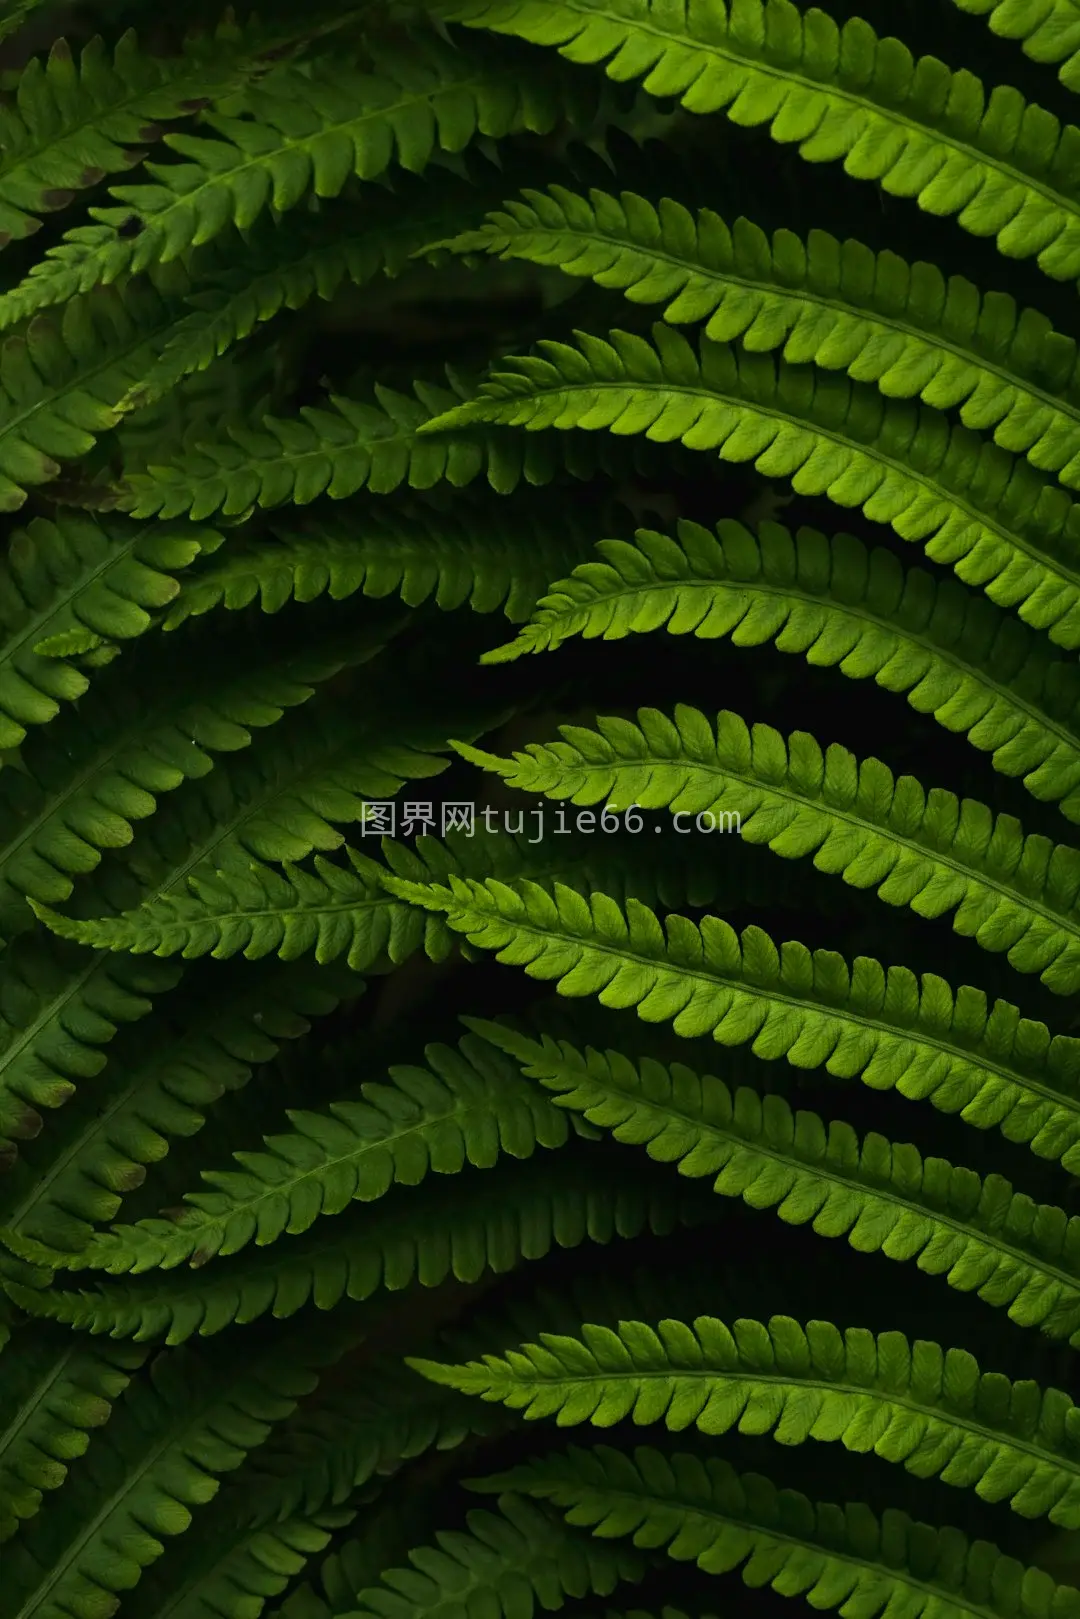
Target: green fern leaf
<point>74,123</point>
<point>310,129</point>
<point>835,304</point>
<point>70,584</point>
<point>473,557</point>
<point>884,1026</point>
<point>467,1106</point>
<point>883,1197</point>
<point>58,1009</point>
<point>974,669</point>
<point>334,911</point>
<point>510,1565</point>
<point>928,1409</point>
<point>931,851</point>
<point>352,446</point>
<point>56,1392</point>
<point>159,1458</point>
<point>840,94</point>
<point>702,1511</point>
<point>91,775</point>
<point>157,1088</point>
<point>996,522</point>
<point>1049,30</point>
<point>499,1219</point>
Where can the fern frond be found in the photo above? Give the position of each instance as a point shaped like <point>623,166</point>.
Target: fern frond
<point>157,1089</point>
<point>834,304</point>
<point>997,522</point>
<point>311,129</point>
<point>487,559</point>
<point>495,1220</point>
<point>465,1106</point>
<point>62,381</point>
<point>932,851</point>
<point>509,1565</point>
<point>840,94</point>
<point>887,1027</point>
<point>340,1439</point>
<point>334,911</point>
<point>55,1392</point>
<point>930,1410</point>
<point>73,123</point>
<point>158,1459</point>
<point>58,1009</point>
<point>884,1197</point>
<point>702,1511</point>
<point>234,1571</point>
<point>92,774</point>
<point>68,586</point>
<point>353,445</point>
<point>974,669</point>
<point>1049,30</point>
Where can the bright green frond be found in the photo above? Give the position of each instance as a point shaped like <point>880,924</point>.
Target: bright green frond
<point>954,655</point>
<point>887,1027</point>
<point>906,328</point>
<point>1049,30</point>
<point>934,852</point>
<point>54,1394</point>
<point>467,1106</point>
<point>884,1197</point>
<point>495,1220</point>
<point>928,1409</point>
<point>700,1510</point>
<point>841,94</point>
<point>997,522</point>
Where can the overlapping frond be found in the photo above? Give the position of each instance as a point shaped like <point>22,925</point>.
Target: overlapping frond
<point>75,121</point>
<point>348,445</point>
<point>158,1459</point>
<point>887,1027</point>
<point>956,657</point>
<point>841,94</point>
<point>467,1105</point>
<point>932,851</point>
<point>309,130</point>
<point>930,1410</point>
<point>496,1220</point>
<point>158,1088</point>
<point>56,1391</point>
<point>489,560</point>
<point>67,586</point>
<point>906,328</point>
<point>997,522</point>
<point>701,1510</point>
<point>92,774</point>
<point>332,911</point>
<point>59,1008</point>
<point>883,1197</point>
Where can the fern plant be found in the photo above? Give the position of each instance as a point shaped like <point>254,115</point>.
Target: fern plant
<point>478,956</point>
